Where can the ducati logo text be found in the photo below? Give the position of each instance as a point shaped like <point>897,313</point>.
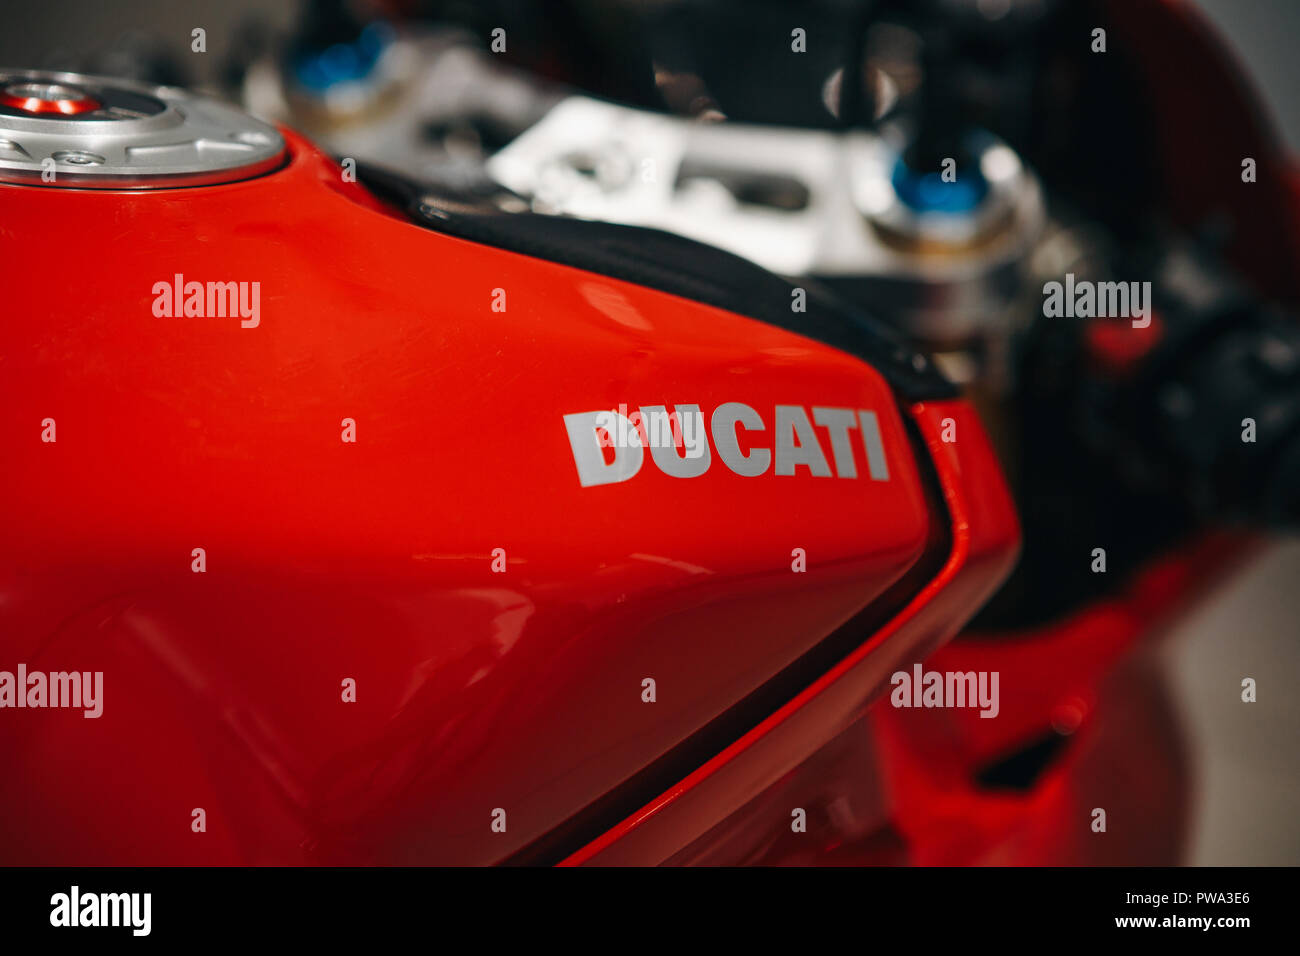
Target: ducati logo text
<point>609,446</point>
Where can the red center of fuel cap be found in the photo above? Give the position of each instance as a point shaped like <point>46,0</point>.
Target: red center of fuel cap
<point>47,98</point>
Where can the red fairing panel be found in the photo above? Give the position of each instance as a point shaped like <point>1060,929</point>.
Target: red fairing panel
<point>372,561</point>
<point>985,542</point>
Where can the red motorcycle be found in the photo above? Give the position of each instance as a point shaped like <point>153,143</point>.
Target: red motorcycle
<point>574,510</point>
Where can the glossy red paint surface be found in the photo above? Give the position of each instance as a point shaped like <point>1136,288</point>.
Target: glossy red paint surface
<point>373,561</point>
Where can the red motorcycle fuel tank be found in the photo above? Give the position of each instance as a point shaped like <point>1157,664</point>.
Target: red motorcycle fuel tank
<point>372,544</point>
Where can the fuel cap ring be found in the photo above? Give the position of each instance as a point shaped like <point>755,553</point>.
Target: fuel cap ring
<point>81,131</point>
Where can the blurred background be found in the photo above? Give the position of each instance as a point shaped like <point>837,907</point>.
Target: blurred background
<point>1249,759</point>
<point>1246,759</point>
